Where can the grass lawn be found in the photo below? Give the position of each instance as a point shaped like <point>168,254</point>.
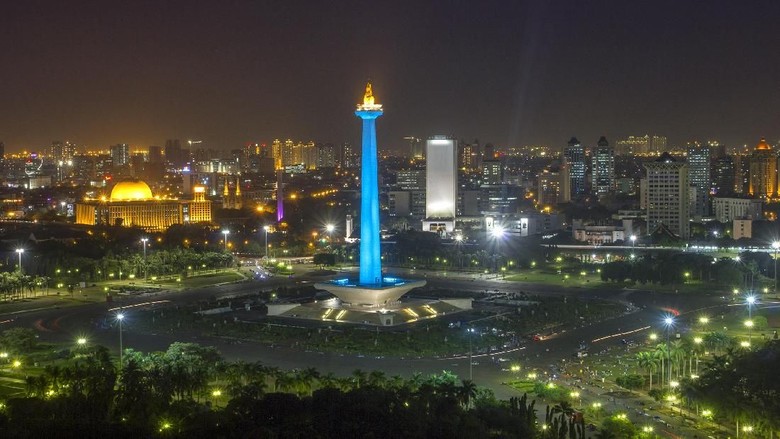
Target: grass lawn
<point>538,276</point>
<point>210,279</point>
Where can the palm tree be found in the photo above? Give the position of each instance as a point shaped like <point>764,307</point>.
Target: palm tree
<point>677,356</point>
<point>466,392</point>
<point>359,378</point>
<point>648,361</point>
<point>376,379</point>
<point>717,341</point>
<point>663,353</point>
<point>307,377</point>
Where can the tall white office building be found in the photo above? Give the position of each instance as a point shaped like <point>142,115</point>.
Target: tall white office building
<point>441,184</point>
<point>667,195</point>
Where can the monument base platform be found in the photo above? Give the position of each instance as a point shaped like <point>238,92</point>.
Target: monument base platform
<point>350,292</point>
<point>394,314</point>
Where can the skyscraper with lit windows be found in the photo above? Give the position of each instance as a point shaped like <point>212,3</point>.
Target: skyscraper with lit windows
<point>575,158</point>
<point>603,169</point>
<point>699,157</point>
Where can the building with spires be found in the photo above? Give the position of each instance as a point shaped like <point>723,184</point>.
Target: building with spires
<point>232,199</point>
<point>763,171</point>
<point>131,204</point>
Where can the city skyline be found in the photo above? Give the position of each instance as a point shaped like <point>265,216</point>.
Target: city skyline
<point>511,73</point>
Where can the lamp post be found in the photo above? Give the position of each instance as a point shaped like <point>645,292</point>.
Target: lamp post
<point>776,246</point>
<point>144,241</point>
<point>226,233</point>
<point>750,301</point>
<point>668,323</point>
<point>329,228</point>
<point>120,316</point>
<point>266,228</point>
<point>19,251</point>
<point>471,363</point>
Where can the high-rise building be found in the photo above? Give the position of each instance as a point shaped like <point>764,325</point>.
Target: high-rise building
<point>349,157</point>
<point>120,154</point>
<point>441,183</point>
<point>564,185</point>
<point>155,155</point>
<point>603,168</point>
<point>492,171</point>
<point>763,171</point>
<point>548,188</point>
<point>410,180</point>
<point>326,156</point>
<point>699,157</point>
<point>468,156</point>
<point>416,150</point>
<point>723,176</point>
<point>741,173</point>
<point>667,195</point>
<point>633,145</point>
<point>657,144</point>
<point>174,155</point>
<point>575,157</point>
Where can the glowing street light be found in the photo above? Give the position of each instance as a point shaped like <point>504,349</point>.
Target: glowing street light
<point>668,324</point>
<point>120,317</point>
<point>653,336</point>
<point>19,251</point>
<point>498,232</point>
<point>704,320</point>
<point>266,229</point>
<point>330,228</point>
<point>776,246</point>
<point>144,241</point>
<point>81,341</point>
<point>226,233</point>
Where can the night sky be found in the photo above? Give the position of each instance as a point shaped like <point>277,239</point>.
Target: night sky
<point>508,72</point>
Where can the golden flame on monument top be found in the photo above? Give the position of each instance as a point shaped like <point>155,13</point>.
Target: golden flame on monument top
<point>368,101</point>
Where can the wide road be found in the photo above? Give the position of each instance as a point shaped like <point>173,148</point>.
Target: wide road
<point>66,324</point>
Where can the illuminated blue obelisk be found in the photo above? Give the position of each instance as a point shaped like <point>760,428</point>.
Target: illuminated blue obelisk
<point>370,260</point>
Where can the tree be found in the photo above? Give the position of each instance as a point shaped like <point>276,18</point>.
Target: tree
<point>19,340</point>
<point>615,427</point>
<point>631,382</point>
<point>325,259</point>
<point>649,362</point>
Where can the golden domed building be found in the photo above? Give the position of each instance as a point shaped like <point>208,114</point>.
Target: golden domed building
<point>763,171</point>
<point>132,204</point>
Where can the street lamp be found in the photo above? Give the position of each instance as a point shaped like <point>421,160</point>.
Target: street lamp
<point>750,301</point>
<point>226,233</point>
<point>471,363</point>
<point>776,246</point>
<point>668,324</point>
<point>19,251</point>
<point>330,228</point>
<point>144,241</point>
<point>266,228</point>
<point>120,317</point>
